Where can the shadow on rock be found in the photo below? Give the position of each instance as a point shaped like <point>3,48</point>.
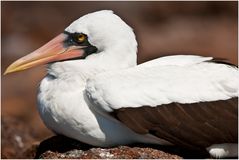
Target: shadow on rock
<point>63,147</point>
<point>185,153</point>
<point>59,144</point>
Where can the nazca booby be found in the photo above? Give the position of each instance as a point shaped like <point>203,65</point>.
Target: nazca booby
<point>95,92</point>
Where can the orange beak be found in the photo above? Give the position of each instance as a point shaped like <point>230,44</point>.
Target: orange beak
<point>53,51</point>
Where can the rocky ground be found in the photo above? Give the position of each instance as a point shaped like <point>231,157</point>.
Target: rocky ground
<point>20,141</point>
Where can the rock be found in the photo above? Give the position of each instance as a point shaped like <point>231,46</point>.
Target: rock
<point>122,152</point>
<point>16,138</point>
<point>62,147</point>
<point>59,147</point>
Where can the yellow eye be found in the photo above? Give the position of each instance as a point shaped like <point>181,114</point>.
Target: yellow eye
<point>81,38</point>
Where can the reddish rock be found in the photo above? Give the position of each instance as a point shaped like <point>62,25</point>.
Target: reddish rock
<point>62,147</point>
<point>16,138</point>
<point>122,152</point>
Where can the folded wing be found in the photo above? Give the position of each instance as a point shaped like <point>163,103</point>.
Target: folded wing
<point>196,125</point>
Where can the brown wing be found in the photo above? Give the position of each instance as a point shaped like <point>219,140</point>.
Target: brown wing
<point>222,61</point>
<point>196,125</point>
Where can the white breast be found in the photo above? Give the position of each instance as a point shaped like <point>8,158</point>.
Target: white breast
<point>65,109</point>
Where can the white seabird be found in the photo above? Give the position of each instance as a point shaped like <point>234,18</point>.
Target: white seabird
<point>95,92</point>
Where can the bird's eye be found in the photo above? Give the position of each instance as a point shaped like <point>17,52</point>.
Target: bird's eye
<point>81,38</point>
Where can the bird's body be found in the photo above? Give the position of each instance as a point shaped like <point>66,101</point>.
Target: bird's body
<point>94,91</point>
<point>80,107</point>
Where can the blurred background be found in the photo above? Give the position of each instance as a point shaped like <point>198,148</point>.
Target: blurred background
<point>161,28</point>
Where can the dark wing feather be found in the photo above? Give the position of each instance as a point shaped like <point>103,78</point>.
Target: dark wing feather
<point>222,61</point>
<point>196,125</point>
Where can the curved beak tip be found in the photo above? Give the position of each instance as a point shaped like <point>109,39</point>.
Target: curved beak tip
<point>10,69</point>
<point>6,72</point>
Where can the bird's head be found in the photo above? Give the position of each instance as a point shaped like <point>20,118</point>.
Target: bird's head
<point>99,36</point>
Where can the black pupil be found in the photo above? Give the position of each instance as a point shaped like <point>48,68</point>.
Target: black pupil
<point>81,37</point>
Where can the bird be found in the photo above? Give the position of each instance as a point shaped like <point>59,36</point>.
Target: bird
<point>95,92</point>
